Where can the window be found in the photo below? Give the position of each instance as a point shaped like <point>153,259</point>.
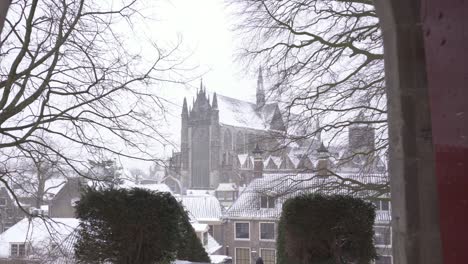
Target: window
<point>382,235</point>
<point>267,201</point>
<point>220,196</point>
<point>18,250</point>
<point>383,260</point>
<point>242,255</point>
<point>385,205</point>
<point>242,230</point>
<point>228,196</point>
<point>268,256</point>
<point>381,205</point>
<point>3,201</point>
<point>227,140</point>
<point>240,143</point>
<point>267,231</point>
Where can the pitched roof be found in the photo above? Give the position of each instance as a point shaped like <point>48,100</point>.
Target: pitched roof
<point>226,187</point>
<point>284,186</point>
<point>238,113</point>
<point>40,233</point>
<point>202,207</point>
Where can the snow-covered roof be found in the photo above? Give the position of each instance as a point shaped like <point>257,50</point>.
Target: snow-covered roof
<point>294,159</point>
<point>157,187</point>
<point>212,245</point>
<point>276,160</point>
<point>39,233</point>
<point>238,113</point>
<point>287,185</point>
<point>200,192</point>
<point>200,227</point>
<point>202,207</point>
<point>37,229</point>
<point>216,259</point>
<point>226,187</point>
<point>242,158</point>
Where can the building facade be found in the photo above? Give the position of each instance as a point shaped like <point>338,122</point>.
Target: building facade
<point>251,222</point>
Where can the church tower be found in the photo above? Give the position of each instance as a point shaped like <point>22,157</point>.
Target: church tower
<point>203,141</point>
<point>260,90</point>
<point>361,135</point>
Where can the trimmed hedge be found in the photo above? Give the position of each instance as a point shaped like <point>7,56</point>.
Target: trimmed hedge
<point>316,228</point>
<point>134,226</point>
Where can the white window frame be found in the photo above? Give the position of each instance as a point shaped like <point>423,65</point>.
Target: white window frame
<point>390,232</point>
<point>235,231</point>
<point>18,255</point>
<point>260,253</point>
<point>391,258</point>
<point>250,253</point>
<point>260,231</point>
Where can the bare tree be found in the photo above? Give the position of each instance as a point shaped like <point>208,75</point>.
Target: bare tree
<point>4,5</point>
<point>67,73</point>
<point>324,61</point>
<point>39,174</point>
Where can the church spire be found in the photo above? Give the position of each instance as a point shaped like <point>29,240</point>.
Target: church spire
<point>215,101</point>
<point>260,90</point>
<point>201,85</point>
<point>184,108</point>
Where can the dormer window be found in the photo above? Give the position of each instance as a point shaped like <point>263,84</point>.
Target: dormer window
<point>3,201</point>
<point>267,201</point>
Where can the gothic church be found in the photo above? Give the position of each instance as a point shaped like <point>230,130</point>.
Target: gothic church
<point>215,132</point>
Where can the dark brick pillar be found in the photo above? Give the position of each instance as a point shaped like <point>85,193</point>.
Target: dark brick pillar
<point>415,203</point>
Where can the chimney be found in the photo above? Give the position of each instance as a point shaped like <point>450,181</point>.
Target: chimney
<point>258,162</point>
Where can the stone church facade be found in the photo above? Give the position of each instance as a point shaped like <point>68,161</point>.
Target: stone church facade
<point>214,132</point>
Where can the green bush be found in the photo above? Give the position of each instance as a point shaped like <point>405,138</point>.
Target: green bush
<point>134,226</point>
<point>334,229</point>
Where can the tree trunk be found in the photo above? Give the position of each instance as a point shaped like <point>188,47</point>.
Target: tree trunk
<point>4,5</point>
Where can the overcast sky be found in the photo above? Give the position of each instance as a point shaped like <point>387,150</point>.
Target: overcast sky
<point>205,29</point>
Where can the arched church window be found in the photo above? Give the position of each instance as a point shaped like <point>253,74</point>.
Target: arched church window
<point>240,143</point>
<point>252,141</point>
<point>227,140</point>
